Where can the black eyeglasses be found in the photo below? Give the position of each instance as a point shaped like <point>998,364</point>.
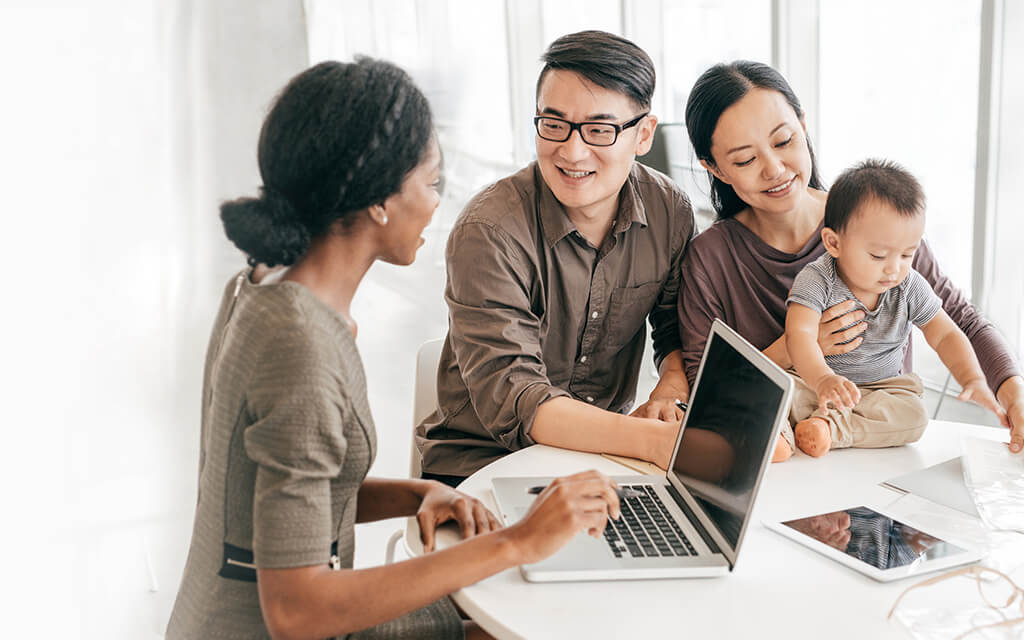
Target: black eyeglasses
<point>596,134</point>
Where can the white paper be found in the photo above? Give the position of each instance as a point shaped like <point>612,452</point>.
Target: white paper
<point>995,478</point>
<point>942,483</point>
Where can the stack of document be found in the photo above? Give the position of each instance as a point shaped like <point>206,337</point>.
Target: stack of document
<point>986,482</point>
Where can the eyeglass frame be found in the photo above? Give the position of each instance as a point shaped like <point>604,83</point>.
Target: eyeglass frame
<point>974,572</point>
<point>578,126</point>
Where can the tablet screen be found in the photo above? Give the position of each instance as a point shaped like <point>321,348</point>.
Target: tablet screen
<point>873,538</point>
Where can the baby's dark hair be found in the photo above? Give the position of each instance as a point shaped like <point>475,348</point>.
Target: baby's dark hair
<point>881,180</point>
<point>339,138</point>
<point>607,60</point>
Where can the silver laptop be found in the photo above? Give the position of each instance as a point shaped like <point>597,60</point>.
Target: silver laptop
<point>690,522</point>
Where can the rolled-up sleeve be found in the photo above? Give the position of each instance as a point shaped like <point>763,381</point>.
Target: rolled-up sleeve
<point>297,441</point>
<point>993,353</point>
<point>494,333</point>
<point>663,318</point>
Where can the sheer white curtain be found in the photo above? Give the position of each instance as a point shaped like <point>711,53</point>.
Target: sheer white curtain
<point>124,123</point>
<point>1006,293</point>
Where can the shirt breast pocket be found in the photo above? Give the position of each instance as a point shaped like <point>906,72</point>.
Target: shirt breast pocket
<point>628,308</point>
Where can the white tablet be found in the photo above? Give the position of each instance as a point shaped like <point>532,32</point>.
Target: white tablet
<point>876,544</point>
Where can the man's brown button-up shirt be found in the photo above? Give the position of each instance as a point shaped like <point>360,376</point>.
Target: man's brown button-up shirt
<point>536,312</point>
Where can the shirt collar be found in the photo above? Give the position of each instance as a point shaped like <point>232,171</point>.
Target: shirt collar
<point>556,222</point>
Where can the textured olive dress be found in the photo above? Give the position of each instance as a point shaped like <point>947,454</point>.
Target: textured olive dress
<point>287,439</point>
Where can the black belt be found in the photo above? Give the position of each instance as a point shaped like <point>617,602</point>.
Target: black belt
<point>238,563</point>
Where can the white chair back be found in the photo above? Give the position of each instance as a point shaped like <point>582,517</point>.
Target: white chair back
<point>425,395</point>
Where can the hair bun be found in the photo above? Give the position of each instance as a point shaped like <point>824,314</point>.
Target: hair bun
<point>267,229</point>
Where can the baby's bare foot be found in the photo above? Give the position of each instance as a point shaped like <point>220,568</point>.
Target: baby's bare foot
<point>782,451</point>
<point>813,437</point>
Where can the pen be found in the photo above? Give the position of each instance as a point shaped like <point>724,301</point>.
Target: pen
<point>623,493</point>
<point>682,405</point>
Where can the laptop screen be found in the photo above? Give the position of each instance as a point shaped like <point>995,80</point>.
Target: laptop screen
<point>729,422</point>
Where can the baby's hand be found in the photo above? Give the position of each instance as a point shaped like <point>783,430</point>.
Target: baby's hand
<point>977,391</point>
<point>838,391</point>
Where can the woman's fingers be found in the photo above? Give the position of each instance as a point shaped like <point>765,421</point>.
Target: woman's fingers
<point>568,505</point>
<point>427,524</point>
<point>592,515</point>
<point>836,311</point>
<point>850,333</point>
<point>493,521</point>
<point>839,329</point>
<point>463,513</point>
<point>590,505</point>
<point>480,519</point>
<point>584,492</point>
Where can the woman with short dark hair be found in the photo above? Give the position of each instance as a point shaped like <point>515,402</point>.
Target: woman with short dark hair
<point>351,169</point>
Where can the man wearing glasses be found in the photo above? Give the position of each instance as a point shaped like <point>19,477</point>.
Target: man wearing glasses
<point>552,274</point>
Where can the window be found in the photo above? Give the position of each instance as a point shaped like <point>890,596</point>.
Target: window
<point>1005,297</point>
<point>684,39</point>
<point>899,80</point>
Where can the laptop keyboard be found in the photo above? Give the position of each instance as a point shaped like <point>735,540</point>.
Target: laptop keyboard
<point>646,529</point>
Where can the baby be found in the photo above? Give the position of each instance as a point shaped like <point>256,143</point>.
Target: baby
<point>874,219</point>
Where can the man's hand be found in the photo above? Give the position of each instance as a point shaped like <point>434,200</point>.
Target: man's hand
<point>665,409</point>
<point>442,503</point>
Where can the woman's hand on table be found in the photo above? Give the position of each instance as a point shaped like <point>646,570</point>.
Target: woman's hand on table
<point>568,505</point>
<point>441,504</point>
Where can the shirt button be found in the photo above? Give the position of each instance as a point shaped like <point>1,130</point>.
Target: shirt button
<point>593,315</point>
<point>583,359</point>
<point>590,398</point>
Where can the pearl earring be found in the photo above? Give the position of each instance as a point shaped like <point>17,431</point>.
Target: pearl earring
<point>384,219</point>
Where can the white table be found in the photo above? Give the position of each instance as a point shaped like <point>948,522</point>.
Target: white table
<point>778,588</point>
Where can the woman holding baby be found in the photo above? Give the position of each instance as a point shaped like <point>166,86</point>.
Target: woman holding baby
<point>747,128</point>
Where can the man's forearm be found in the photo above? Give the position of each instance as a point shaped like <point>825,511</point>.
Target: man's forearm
<point>571,424</point>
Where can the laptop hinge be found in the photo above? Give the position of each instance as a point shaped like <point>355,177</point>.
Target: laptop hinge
<point>694,520</point>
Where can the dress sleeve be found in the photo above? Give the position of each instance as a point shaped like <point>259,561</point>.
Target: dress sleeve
<point>494,332</point>
<point>698,305</point>
<point>992,351</point>
<point>296,438</point>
